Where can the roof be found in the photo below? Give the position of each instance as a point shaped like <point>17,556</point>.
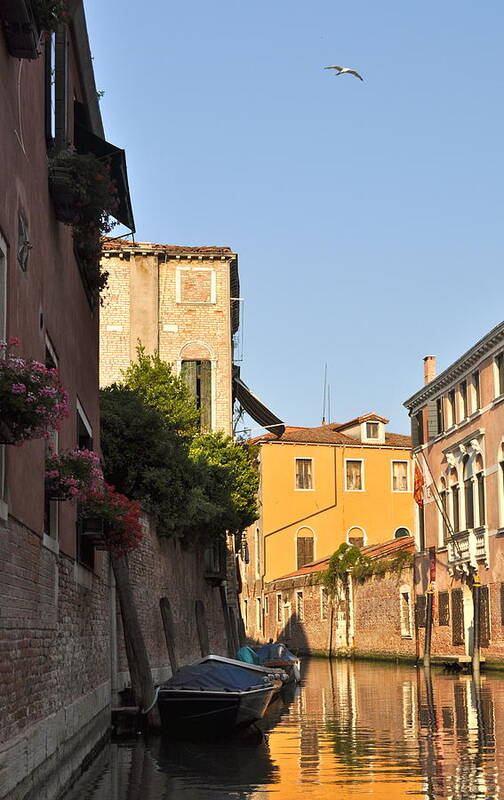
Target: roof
<point>455,371</point>
<point>364,418</point>
<point>330,434</point>
<point>373,551</point>
<point>110,245</point>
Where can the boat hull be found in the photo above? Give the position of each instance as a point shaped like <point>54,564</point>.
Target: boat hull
<point>204,713</point>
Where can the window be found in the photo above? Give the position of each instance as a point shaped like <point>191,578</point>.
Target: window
<point>372,430</point>
<point>304,478</point>
<point>197,375</point>
<point>444,608</point>
<point>279,608</point>
<point>23,246</point>
<point>499,362</point>
<point>266,605</point>
<point>400,476</point>
<point>468,494</point>
<point>440,414</point>
<point>480,489</point>
<point>451,407</point>
<point>354,476</point>
<point>3,335</point>
<point>324,603</point>
<point>258,614</point>
<point>463,399</point>
<point>476,390</point>
<point>195,285</point>
<point>355,537</point>
<point>56,83</point>
<point>417,437</point>
<point>304,547</point>
<point>443,493</point>
<point>299,606</point>
<point>405,610</point>
<point>401,533</point>
<point>51,510</point>
<point>454,488</point>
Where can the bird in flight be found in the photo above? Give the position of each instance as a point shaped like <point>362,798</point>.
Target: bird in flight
<point>345,71</point>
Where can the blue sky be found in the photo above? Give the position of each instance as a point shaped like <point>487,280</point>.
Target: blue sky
<point>368,217</point>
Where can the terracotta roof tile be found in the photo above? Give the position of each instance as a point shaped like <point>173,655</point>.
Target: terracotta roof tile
<point>363,418</point>
<point>329,434</point>
<point>110,244</point>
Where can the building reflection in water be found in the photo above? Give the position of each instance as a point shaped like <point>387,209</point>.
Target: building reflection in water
<point>353,730</point>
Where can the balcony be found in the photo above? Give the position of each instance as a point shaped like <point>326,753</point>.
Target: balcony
<point>467,548</point>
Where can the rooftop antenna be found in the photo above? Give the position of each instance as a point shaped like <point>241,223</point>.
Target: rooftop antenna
<point>324,395</point>
<point>329,402</point>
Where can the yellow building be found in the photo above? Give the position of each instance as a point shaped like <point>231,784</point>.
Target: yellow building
<point>321,487</point>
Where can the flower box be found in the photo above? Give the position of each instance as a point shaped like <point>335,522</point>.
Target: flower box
<point>20,27</point>
<point>110,520</point>
<point>72,474</point>
<point>63,193</point>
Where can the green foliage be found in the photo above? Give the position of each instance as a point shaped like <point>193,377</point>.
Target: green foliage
<point>229,478</point>
<point>152,379</point>
<point>349,560</point>
<point>198,485</point>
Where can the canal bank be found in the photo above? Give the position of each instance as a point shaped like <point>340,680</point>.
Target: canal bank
<point>353,730</point>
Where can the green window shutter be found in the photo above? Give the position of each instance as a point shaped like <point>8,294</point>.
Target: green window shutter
<point>206,395</point>
<point>432,419</point>
<point>444,608</point>
<point>188,372</point>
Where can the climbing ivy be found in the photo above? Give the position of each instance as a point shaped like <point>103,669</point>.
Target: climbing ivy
<point>350,560</point>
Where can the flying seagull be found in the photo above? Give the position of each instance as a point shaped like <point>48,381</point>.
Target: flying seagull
<point>345,71</point>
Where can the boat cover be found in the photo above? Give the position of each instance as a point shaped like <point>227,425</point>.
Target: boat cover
<point>247,655</point>
<point>216,676</point>
<point>275,651</point>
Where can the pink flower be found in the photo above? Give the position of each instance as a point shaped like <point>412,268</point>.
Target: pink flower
<point>18,388</point>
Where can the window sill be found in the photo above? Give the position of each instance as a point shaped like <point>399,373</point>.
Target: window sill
<point>406,636</point>
<point>401,491</point>
<point>50,543</point>
<point>498,400</point>
<point>355,490</point>
<point>304,490</point>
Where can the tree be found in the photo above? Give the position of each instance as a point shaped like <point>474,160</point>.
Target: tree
<point>153,380</point>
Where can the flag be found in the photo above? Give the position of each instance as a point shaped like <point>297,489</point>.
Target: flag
<point>419,484</point>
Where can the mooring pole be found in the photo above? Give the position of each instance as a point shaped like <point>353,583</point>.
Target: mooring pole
<point>428,626</point>
<point>476,626</point>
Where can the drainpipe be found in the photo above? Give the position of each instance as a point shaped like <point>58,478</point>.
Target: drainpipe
<point>476,627</point>
<point>428,626</point>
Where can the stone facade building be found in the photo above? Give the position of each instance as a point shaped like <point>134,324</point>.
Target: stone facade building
<point>181,301</point>
<point>458,444</point>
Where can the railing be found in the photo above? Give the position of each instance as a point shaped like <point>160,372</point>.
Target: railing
<point>468,547</point>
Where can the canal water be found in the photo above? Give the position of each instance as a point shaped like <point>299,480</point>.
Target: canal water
<point>352,730</point>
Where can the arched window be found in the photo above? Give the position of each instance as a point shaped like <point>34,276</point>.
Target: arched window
<point>480,489</point>
<point>455,506</point>
<point>304,547</point>
<point>443,494</point>
<point>468,493</point>
<point>401,533</point>
<point>356,536</point>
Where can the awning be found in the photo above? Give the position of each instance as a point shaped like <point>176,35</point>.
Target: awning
<point>256,408</point>
<point>88,142</point>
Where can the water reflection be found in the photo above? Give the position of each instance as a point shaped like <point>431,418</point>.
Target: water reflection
<point>353,730</point>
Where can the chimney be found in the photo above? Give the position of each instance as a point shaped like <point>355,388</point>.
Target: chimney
<point>429,369</point>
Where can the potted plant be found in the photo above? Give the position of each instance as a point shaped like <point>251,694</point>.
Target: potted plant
<point>84,197</point>
<point>32,400</point>
<point>72,474</point>
<point>120,530</point>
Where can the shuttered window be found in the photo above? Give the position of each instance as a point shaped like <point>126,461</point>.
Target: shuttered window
<point>457,603</point>
<point>416,430</point>
<point>477,392</point>
<point>400,476</point>
<point>480,482</point>
<point>444,608</point>
<point>198,377</point>
<point>304,476</point>
<point>432,419</point>
<point>421,607</point>
<point>440,414</point>
<point>456,509</point>
<point>500,373</point>
<point>304,545</point>
<point>463,399</point>
<point>451,407</point>
<point>484,617</point>
<point>354,480</point>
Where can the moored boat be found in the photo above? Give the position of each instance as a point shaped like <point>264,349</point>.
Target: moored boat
<point>277,655</point>
<point>214,696</point>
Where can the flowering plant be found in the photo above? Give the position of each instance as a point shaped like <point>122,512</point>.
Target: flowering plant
<point>121,517</point>
<point>32,400</point>
<point>50,13</point>
<point>85,196</point>
<point>73,473</point>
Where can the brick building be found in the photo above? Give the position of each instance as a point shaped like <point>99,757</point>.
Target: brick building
<point>458,443</point>
<point>370,618</point>
<point>182,301</point>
